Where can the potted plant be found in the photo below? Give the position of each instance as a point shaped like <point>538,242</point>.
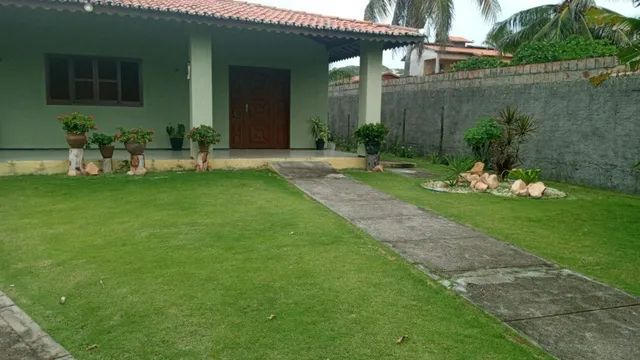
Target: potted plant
<point>320,132</point>
<point>76,126</point>
<point>372,137</point>
<point>134,140</point>
<point>104,143</point>
<point>205,136</point>
<point>176,136</point>
<point>331,141</point>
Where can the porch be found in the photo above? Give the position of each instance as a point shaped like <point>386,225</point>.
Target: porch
<point>50,162</point>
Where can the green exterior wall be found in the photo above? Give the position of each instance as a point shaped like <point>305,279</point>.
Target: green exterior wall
<point>26,121</point>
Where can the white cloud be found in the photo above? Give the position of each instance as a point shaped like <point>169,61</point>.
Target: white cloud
<point>467,22</point>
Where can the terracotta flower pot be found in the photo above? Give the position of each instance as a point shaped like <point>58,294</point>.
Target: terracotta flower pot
<point>107,151</point>
<point>203,147</point>
<point>76,141</point>
<point>135,148</point>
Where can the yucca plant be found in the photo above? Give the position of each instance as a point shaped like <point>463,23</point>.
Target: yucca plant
<point>516,129</point>
<point>457,165</point>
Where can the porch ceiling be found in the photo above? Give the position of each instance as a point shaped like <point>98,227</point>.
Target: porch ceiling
<point>340,36</point>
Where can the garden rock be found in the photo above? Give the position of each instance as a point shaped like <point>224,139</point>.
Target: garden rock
<point>480,186</point>
<point>536,190</point>
<point>493,182</point>
<point>92,169</point>
<point>378,168</point>
<point>478,168</point>
<point>518,187</point>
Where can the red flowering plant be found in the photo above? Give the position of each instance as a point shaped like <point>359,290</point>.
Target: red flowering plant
<point>77,123</point>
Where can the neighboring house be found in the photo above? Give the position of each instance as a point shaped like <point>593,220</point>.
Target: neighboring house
<point>387,75</point>
<point>436,58</point>
<point>255,73</point>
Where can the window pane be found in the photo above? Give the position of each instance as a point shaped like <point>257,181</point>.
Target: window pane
<point>84,90</point>
<point>130,81</point>
<point>107,70</point>
<point>108,91</point>
<point>83,68</point>
<point>58,79</point>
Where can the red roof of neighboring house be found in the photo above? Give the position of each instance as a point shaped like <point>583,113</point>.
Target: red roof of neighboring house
<point>453,38</point>
<point>473,51</point>
<point>243,11</point>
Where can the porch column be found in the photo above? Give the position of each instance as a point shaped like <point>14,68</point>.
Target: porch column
<point>200,82</point>
<point>370,103</point>
<point>437,68</point>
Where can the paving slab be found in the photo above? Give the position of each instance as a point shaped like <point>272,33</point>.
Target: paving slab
<point>373,209</point>
<point>612,334</point>
<point>22,338</point>
<point>336,189</point>
<point>303,169</point>
<point>522,293</point>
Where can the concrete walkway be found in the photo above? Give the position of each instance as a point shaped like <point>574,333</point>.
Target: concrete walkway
<point>569,315</point>
<point>22,339</point>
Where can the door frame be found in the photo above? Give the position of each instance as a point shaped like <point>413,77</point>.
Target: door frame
<point>287,125</point>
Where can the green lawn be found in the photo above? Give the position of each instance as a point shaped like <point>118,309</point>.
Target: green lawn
<point>190,266</point>
<point>596,232</point>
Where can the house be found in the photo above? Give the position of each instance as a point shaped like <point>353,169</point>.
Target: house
<point>387,75</point>
<point>257,74</point>
<point>437,58</point>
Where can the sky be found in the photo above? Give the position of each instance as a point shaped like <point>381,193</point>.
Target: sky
<point>467,23</point>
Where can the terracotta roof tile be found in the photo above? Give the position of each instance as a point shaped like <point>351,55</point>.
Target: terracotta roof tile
<point>243,11</point>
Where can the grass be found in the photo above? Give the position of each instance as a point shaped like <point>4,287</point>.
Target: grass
<point>593,231</point>
<point>191,266</point>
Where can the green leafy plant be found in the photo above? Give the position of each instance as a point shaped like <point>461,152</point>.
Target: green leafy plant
<point>516,129</point>
<point>204,135</point>
<point>457,165</point>
<point>477,63</point>
<point>101,139</point>
<point>482,137</point>
<point>372,136</point>
<point>77,123</point>
<point>529,176</point>
<point>176,132</point>
<point>319,129</point>
<point>134,135</point>
<point>575,47</point>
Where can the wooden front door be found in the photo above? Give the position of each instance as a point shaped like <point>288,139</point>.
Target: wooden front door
<point>259,108</point>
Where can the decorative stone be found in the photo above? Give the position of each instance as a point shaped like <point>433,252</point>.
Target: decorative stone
<point>464,177</point>
<point>137,165</point>
<point>92,169</point>
<point>378,168</point>
<point>478,168</point>
<point>493,182</point>
<point>518,187</point>
<point>536,190</point>
<point>480,186</point>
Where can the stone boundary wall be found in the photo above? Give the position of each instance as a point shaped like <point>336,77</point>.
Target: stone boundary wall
<point>587,135</point>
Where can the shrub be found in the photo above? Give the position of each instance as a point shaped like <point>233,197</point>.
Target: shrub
<point>177,132</point>
<point>457,165</point>
<point>527,175</point>
<point>575,47</point>
<point>319,129</point>
<point>77,123</point>
<point>516,128</point>
<point>346,144</point>
<point>101,139</point>
<point>135,135</point>
<point>204,134</point>
<point>477,62</point>
<point>481,138</point>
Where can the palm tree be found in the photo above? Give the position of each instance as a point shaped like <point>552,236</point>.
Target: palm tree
<point>438,14</point>
<point>555,22</point>
<point>615,23</point>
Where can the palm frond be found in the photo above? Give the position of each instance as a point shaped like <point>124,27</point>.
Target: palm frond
<point>378,10</point>
<point>490,9</point>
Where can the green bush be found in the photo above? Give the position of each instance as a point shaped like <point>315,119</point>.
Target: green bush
<point>77,123</point>
<point>529,176</point>
<point>477,62</point>
<point>575,47</point>
<point>135,135</point>
<point>204,135</point>
<point>457,165</point>
<point>516,127</point>
<point>481,137</point>
<point>101,139</point>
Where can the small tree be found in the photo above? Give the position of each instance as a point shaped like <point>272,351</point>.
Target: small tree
<point>516,128</point>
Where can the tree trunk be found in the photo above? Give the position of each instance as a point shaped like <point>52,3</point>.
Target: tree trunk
<point>202,162</point>
<point>107,166</point>
<point>137,165</point>
<point>76,162</point>
<point>372,161</point>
